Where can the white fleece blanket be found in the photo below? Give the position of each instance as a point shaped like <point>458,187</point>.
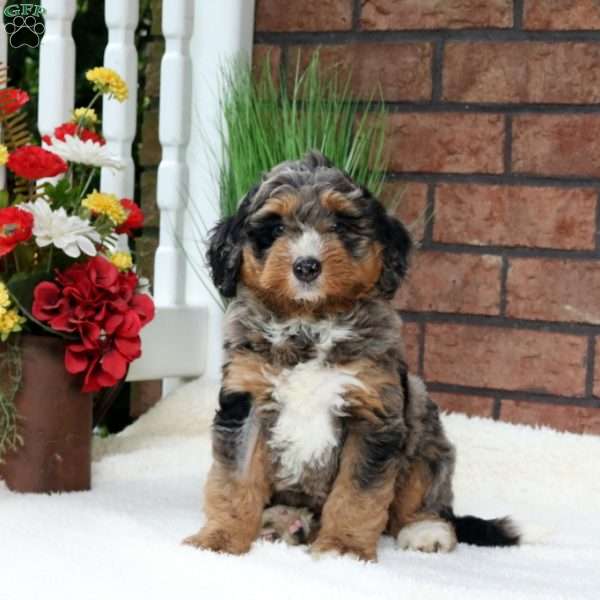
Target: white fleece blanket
<point>122,539</point>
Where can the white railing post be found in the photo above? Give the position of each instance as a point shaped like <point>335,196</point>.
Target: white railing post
<point>3,37</point>
<point>4,62</point>
<point>173,175</point>
<point>222,31</point>
<point>119,119</point>
<point>57,65</point>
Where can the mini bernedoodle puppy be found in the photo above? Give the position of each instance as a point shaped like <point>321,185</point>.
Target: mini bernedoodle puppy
<point>317,410</point>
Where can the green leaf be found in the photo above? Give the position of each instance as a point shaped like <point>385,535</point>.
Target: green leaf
<point>22,285</point>
<point>62,194</point>
<point>3,198</point>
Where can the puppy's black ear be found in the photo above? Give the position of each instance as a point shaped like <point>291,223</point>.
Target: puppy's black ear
<point>397,244</point>
<point>224,254</point>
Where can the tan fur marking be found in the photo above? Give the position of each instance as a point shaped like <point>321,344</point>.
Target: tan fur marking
<point>251,269</point>
<point>345,277</point>
<point>337,202</point>
<point>233,504</point>
<point>343,280</point>
<point>270,281</point>
<point>408,498</point>
<point>284,205</point>
<point>353,519</point>
<point>249,372</point>
<point>365,402</point>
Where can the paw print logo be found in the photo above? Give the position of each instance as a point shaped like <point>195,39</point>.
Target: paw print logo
<point>25,31</point>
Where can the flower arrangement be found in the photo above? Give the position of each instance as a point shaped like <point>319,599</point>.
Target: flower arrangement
<point>65,264</point>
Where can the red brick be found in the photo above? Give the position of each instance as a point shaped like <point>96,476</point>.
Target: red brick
<point>557,145</point>
<point>309,15</point>
<point>511,359</point>
<point>561,14</point>
<point>433,14</point>
<point>541,217</point>
<point>445,142</point>
<point>444,282</point>
<point>408,201</point>
<point>263,55</point>
<point>522,72</point>
<point>474,406</point>
<point>411,334</point>
<point>597,369</point>
<point>397,71</point>
<point>577,419</point>
<point>554,290</point>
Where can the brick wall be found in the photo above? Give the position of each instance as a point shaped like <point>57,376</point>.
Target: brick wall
<point>494,136</point>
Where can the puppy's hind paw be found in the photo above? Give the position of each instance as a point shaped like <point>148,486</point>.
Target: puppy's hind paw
<point>427,536</point>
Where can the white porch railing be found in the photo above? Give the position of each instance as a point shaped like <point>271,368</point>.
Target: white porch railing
<point>185,338</point>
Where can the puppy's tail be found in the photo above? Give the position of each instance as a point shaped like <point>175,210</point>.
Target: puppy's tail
<point>482,532</point>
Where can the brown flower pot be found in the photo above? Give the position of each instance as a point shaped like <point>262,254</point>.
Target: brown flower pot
<point>55,424</point>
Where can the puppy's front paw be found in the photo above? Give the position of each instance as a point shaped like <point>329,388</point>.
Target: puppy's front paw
<point>427,536</point>
<point>218,540</point>
<point>330,546</point>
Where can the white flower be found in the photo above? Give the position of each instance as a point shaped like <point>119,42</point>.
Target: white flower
<point>74,149</point>
<point>116,242</point>
<point>71,234</point>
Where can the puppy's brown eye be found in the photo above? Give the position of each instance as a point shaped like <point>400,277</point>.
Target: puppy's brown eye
<point>278,229</point>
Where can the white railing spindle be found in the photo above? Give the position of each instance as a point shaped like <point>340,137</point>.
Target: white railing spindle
<point>3,37</point>
<point>3,61</point>
<point>223,31</point>
<point>119,119</point>
<point>57,65</point>
<point>174,130</point>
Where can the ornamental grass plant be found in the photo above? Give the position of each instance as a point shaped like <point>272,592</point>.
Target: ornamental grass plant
<point>312,108</point>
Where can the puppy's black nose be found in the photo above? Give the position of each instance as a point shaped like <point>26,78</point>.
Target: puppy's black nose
<point>307,269</point>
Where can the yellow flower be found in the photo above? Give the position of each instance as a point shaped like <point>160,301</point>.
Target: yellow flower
<point>3,154</point>
<point>4,296</point>
<point>10,322</point>
<point>84,116</point>
<point>122,260</point>
<point>107,81</point>
<point>105,204</point>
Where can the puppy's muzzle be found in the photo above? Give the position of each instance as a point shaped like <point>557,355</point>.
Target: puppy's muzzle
<point>307,269</point>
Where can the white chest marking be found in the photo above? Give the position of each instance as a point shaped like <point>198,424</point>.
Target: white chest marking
<point>310,396</point>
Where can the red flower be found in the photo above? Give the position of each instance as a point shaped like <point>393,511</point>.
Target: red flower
<point>71,129</point>
<point>99,303</point>
<point>104,358</point>
<point>33,162</point>
<point>15,227</point>
<point>50,306</point>
<point>11,100</point>
<point>135,217</point>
